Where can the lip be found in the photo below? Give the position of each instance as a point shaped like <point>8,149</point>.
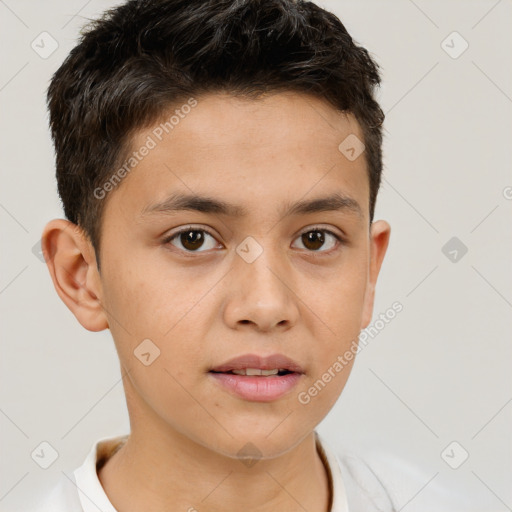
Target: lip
<point>245,361</point>
<point>258,388</point>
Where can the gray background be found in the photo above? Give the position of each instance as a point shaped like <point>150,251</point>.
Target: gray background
<point>439,372</point>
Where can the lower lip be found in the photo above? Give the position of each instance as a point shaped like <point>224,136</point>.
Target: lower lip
<point>255,388</point>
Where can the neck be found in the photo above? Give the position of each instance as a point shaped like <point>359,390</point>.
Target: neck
<point>172,473</point>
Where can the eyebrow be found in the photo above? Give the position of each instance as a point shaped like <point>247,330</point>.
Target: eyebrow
<point>178,202</point>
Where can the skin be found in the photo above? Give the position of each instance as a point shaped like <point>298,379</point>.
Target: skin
<point>202,308</point>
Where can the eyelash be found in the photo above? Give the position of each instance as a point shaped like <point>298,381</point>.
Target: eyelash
<point>341,240</point>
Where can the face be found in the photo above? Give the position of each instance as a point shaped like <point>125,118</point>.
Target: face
<point>184,290</point>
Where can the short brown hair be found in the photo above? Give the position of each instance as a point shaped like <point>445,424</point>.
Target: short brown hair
<point>144,56</point>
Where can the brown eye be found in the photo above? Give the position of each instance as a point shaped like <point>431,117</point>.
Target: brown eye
<point>315,239</point>
<point>191,239</point>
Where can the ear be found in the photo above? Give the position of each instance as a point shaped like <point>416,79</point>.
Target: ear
<point>72,264</point>
<point>379,238</point>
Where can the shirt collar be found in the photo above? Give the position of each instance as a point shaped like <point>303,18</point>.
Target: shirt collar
<point>332,466</point>
<point>93,497</point>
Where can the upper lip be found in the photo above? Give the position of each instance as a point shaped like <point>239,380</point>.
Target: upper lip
<point>274,361</point>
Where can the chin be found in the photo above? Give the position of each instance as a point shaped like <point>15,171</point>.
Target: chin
<point>258,444</point>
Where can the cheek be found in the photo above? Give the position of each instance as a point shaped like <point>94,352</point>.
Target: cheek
<point>340,309</point>
<point>148,303</point>
<point>144,298</point>
<point>339,302</point>
<point>336,344</point>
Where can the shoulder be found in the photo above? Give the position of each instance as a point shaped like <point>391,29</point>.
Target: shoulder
<point>82,490</point>
<point>365,490</point>
<point>356,487</point>
<point>388,482</point>
<point>62,497</point>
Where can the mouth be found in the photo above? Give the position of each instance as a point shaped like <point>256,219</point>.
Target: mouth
<point>256,371</point>
<point>258,379</point>
<point>253,364</point>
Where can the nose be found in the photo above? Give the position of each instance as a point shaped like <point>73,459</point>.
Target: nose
<point>261,293</point>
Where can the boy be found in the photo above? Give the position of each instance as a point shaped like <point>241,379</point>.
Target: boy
<point>251,125</point>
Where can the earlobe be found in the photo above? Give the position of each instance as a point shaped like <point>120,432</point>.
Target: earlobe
<point>71,261</point>
<point>379,240</point>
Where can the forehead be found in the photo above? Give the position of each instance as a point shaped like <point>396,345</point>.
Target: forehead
<point>276,148</point>
<point>273,122</point>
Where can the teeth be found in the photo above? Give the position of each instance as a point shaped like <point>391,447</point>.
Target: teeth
<point>255,371</point>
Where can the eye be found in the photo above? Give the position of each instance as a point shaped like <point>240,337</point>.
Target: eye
<point>191,239</point>
<point>314,238</point>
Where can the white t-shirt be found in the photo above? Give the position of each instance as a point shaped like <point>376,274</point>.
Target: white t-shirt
<point>354,486</point>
